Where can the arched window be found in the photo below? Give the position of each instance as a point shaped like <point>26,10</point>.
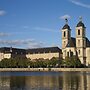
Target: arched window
<point>71,54</point>
<point>78,42</point>
<point>79,52</point>
<point>67,54</point>
<point>64,34</point>
<point>78,31</point>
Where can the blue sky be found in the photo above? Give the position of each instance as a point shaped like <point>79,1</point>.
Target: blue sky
<point>38,23</point>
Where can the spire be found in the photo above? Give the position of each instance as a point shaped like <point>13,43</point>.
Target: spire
<point>80,18</point>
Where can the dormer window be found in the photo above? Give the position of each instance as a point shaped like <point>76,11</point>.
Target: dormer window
<point>78,31</point>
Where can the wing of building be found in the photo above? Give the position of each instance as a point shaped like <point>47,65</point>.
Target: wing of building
<point>45,53</point>
<point>9,52</point>
<point>35,53</point>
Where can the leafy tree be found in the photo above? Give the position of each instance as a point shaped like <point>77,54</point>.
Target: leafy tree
<point>71,62</point>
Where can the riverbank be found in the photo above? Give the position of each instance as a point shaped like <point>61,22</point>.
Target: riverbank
<point>44,69</point>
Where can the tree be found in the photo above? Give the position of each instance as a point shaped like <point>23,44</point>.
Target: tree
<point>71,62</point>
<point>14,63</point>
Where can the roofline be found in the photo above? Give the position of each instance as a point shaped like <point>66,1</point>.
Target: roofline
<point>43,48</point>
<point>12,48</point>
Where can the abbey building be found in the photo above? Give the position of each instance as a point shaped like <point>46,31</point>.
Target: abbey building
<point>79,45</point>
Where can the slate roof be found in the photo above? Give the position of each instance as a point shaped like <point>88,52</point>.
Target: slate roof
<point>87,42</point>
<point>72,42</point>
<point>44,50</point>
<point>66,26</point>
<point>34,50</point>
<point>12,50</point>
<point>80,24</point>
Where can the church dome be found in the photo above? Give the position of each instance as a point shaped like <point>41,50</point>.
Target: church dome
<point>80,24</point>
<point>66,26</point>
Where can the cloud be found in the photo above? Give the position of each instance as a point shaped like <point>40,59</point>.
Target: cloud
<point>77,2</point>
<point>36,45</point>
<point>25,27</point>
<point>2,12</point>
<point>4,34</point>
<point>65,16</point>
<point>44,29</point>
<point>29,43</point>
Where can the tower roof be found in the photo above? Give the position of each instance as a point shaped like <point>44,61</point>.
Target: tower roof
<point>80,23</point>
<point>66,26</point>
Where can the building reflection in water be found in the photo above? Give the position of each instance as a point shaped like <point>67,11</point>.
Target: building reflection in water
<point>42,82</point>
<point>17,83</point>
<point>76,81</point>
<point>61,81</point>
<point>4,83</point>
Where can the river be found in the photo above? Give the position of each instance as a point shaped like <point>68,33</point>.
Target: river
<point>44,80</point>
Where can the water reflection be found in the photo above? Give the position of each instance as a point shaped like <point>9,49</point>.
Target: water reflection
<point>48,81</point>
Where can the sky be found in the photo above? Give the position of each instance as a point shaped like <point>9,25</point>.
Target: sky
<point>38,23</point>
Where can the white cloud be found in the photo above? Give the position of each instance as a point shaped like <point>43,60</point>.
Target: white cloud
<point>65,16</point>
<point>44,29</point>
<point>2,12</point>
<point>4,34</point>
<point>29,43</point>
<point>77,2</point>
<point>36,45</point>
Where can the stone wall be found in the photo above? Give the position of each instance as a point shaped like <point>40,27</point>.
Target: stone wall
<point>45,69</point>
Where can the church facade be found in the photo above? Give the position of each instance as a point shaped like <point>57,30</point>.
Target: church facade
<point>78,46</point>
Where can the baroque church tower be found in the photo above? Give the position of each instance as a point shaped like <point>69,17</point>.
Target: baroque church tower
<point>66,36</point>
<point>81,41</point>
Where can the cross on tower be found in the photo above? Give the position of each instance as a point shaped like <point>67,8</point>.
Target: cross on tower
<point>66,20</point>
<point>80,18</point>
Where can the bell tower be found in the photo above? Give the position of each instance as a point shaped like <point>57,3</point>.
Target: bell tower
<point>81,41</point>
<point>66,36</point>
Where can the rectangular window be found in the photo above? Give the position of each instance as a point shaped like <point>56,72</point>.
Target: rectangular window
<point>64,33</point>
<point>67,54</point>
<point>79,32</point>
<point>64,43</point>
<point>78,42</point>
<point>79,52</point>
<point>71,54</point>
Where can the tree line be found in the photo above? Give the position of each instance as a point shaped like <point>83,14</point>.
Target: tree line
<point>71,62</point>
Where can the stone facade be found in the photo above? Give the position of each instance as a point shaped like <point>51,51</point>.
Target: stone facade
<point>79,46</point>
<point>38,53</point>
<point>45,53</point>
<point>9,52</point>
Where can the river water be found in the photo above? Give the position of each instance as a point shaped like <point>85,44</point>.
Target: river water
<point>44,80</point>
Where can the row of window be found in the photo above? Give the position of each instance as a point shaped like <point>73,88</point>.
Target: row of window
<point>41,52</point>
<point>79,43</point>
<point>64,34</point>
<point>71,53</point>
